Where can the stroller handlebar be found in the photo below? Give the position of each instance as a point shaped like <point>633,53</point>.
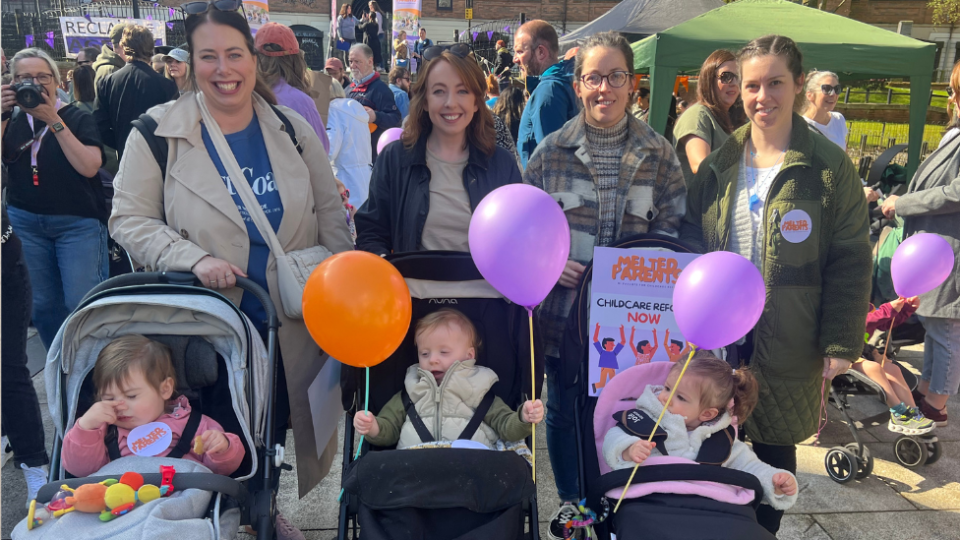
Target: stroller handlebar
<point>186,279</point>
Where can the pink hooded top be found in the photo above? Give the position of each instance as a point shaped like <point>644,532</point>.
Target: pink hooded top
<point>84,451</point>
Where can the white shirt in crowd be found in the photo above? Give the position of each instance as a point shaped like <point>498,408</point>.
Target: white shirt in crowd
<point>835,130</point>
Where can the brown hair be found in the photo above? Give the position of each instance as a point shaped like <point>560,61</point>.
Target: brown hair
<point>124,354</point>
<point>719,383</point>
<point>955,85</point>
<point>730,119</point>
<point>83,89</point>
<point>783,47</point>
<point>398,73</point>
<point>137,43</point>
<point>480,132</point>
<point>343,10</point>
<point>291,68</point>
<point>541,33</point>
<point>509,107</point>
<point>448,317</point>
<point>239,23</point>
<point>493,85</point>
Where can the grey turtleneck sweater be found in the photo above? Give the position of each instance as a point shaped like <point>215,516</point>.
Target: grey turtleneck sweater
<point>606,147</point>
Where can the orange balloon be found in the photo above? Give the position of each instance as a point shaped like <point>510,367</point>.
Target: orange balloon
<point>357,308</point>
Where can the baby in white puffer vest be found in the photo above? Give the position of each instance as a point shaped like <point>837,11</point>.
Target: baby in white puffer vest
<point>446,387</point>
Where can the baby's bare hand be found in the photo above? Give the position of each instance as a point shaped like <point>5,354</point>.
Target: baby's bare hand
<point>366,423</point>
<point>638,451</point>
<point>100,413</point>
<point>784,484</point>
<point>214,442</point>
<point>532,412</point>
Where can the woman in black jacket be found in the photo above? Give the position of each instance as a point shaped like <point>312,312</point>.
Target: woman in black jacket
<point>370,28</point>
<point>426,186</point>
<point>503,64</point>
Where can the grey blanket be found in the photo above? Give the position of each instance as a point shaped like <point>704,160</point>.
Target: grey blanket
<point>182,515</point>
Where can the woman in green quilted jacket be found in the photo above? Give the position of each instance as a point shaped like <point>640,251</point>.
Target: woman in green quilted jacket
<point>790,201</point>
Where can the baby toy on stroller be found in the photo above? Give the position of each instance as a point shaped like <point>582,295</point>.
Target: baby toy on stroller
<point>441,490</point>
<point>222,370</point>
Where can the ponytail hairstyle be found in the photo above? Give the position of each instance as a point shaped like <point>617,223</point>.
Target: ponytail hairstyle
<point>719,383</point>
<point>783,47</point>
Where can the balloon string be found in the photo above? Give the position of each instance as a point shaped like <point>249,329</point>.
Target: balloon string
<point>822,415</point>
<point>886,346</point>
<point>533,396</point>
<point>366,406</point>
<point>673,390</point>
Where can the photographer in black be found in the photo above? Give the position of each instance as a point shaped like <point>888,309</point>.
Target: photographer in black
<point>55,200</point>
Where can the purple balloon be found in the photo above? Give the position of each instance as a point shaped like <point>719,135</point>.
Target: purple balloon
<point>520,242</point>
<point>718,298</point>
<point>387,137</point>
<point>920,264</point>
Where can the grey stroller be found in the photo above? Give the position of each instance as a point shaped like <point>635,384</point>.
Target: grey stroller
<point>223,368</point>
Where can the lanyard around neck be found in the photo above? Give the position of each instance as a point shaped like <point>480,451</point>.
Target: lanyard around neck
<point>37,138</point>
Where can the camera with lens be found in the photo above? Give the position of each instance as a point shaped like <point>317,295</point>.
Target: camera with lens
<point>29,93</point>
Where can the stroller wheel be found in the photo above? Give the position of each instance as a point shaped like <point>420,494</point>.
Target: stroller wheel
<point>865,461</point>
<point>841,464</point>
<point>910,451</point>
<point>934,450</point>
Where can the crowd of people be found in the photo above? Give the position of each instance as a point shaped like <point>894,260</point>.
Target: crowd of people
<point>761,140</point>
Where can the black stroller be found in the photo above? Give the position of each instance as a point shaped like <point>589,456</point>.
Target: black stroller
<point>222,366</point>
<point>657,515</point>
<point>443,493</point>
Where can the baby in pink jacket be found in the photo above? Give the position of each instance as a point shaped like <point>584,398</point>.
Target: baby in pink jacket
<point>135,382</point>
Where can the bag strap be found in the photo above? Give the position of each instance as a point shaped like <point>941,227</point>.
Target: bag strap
<point>239,180</point>
<point>147,127</point>
<point>288,129</point>
<point>111,441</point>
<point>185,443</point>
<point>414,417</point>
<point>478,416</point>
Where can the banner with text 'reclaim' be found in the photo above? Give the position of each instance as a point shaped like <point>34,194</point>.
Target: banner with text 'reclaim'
<point>631,311</point>
<point>80,32</point>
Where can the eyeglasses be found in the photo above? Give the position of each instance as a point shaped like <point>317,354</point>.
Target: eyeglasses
<point>728,77</point>
<point>830,90</point>
<point>615,80</point>
<point>85,63</point>
<point>460,50</point>
<point>196,8</point>
<point>43,78</point>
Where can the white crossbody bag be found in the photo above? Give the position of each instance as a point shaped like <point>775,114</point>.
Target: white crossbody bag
<point>293,268</point>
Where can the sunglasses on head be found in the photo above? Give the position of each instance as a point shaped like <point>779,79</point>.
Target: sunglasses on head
<point>460,50</point>
<point>830,90</point>
<point>728,77</point>
<point>196,8</point>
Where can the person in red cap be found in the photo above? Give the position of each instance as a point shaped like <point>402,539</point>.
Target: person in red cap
<point>334,68</point>
<point>282,66</point>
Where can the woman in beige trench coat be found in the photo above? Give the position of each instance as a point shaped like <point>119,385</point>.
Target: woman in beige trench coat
<point>189,221</point>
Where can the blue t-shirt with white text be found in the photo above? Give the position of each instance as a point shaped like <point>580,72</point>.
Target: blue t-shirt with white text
<point>251,153</point>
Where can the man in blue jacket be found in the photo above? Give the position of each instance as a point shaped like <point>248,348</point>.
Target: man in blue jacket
<point>552,101</point>
<point>374,94</point>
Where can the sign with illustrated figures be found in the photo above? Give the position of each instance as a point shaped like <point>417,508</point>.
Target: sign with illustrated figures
<point>631,311</point>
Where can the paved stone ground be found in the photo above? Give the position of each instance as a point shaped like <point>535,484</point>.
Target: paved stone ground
<point>893,503</point>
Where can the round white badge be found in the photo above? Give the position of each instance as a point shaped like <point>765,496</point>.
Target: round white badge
<point>149,439</point>
<point>796,226</point>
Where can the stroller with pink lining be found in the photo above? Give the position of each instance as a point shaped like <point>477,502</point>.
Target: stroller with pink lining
<point>669,497</point>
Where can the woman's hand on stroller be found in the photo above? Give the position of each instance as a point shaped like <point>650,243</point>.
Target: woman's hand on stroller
<point>214,442</point>
<point>784,484</point>
<point>889,207</point>
<point>639,451</point>
<point>100,413</point>
<point>216,273</point>
<point>532,412</point>
<point>366,423</point>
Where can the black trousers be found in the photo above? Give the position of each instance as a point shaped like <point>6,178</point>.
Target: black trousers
<point>781,457</point>
<point>18,399</point>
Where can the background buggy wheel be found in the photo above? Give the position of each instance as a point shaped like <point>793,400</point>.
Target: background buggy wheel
<point>934,449</point>
<point>865,462</point>
<point>910,452</point>
<point>841,464</point>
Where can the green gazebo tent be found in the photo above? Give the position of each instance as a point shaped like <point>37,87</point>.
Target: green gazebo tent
<point>852,49</point>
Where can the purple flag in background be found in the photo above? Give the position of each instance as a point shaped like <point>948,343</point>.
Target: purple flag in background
<point>172,12</point>
<point>111,15</point>
<point>149,17</point>
<point>475,34</point>
<point>87,17</point>
<point>170,25</point>
<point>29,40</point>
<point>506,28</point>
<point>49,39</point>
<point>490,35</point>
